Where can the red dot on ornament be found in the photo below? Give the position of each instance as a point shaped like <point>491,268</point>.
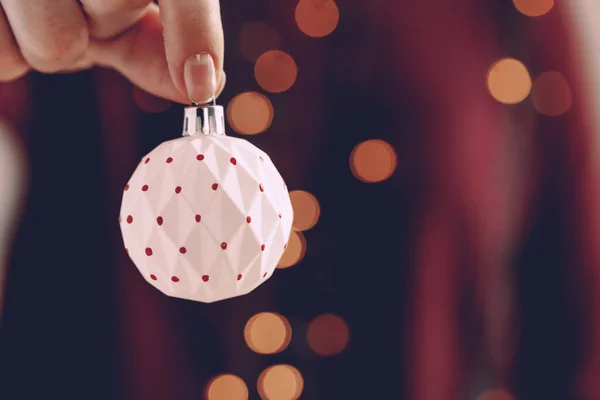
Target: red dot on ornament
<point>233,160</point>
<point>279,215</point>
<point>147,160</point>
<point>239,277</point>
<point>261,187</point>
<point>126,250</point>
<point>159,220</point>
<point>169,160</point>
<point>262,248</point>
<point>182,250</point>
<point>144,188</point>
<point>224,245</point>
<point>205,278</point>
<point>175,279</point>
<point>200,157</point>
<point>265,275</point>
<point>198,217</point>
<point>215,186</point>
<point>248,219</point>
<point>148,251</point>
<point>153,277</point>
<point>178,189</point>
<point>129,219</point>
<point>126,188</point>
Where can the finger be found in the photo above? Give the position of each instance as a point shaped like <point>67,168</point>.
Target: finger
<point>139,55</point>
<point>108,18</point>
<point>12,63</point>
<point>193,41</point>
<point>51,34</point>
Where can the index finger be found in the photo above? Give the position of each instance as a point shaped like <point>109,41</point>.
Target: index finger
<point>193,36</point>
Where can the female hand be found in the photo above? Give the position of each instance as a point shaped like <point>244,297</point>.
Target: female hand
<point>127,35</point>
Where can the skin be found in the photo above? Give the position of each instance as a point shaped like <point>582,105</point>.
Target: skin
<point>147,47</point>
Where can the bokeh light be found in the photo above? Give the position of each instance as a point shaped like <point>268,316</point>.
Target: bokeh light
<point>534,8</point>
<point>275,71</point>
<point>373,161</point>
<point>257,37</point>
<point>317,18</point>
<point>280,382</point>
<point>327,335</point>
<point>250,113</point>
<point>306,210</point>
<point>226,387</point>
<point>496,394</point>
<point>551,94</point>
<point>268,333</point>
<point>295,250</point>
<point>509,81</point>
<point>148,102</point>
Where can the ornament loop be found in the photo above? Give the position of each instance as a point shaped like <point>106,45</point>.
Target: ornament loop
<point>206,120</point>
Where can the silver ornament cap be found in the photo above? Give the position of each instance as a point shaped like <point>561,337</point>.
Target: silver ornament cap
<point>205,120</point>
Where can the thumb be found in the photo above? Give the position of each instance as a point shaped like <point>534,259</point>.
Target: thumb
<point>193,37</point>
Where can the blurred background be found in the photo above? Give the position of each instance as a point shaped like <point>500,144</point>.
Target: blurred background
<point>443,162</point>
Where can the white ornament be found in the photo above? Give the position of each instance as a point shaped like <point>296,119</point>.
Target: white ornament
<point>206,217</point>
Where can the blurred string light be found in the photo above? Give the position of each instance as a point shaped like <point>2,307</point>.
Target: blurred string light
<point>306,210</point>
<point>250,113</point>
<point>534,8</point>
<point>509,81</point>
<point>496,394</point>
<point>280,382</point>
<point>317,18</point>
<point>275,71</point>
<point>327,335</point>
<point>268,333</point>
<point>551,94</point>
<point>294,252</point>
<point>257,37</point>
<point>226,387</point>
<point>148,102</point>
<point>373,161</point>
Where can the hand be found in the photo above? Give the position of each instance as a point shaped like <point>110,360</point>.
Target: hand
<point>52,36</point>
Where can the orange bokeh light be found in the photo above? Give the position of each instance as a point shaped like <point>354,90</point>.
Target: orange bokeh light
<point>280,382</point>
<point>306,210</point>
<point>275,71</point>
<point>534,8</point>
<point>294,252</point>
<point>268,333</point>
<point>250,113</point>
<point>551,94</point>
<point>327,335</point>
<point>317,18</point>
<point>226,387</point>
<point>256,37</point>
<point>509,81</point>
<point>373,161</point>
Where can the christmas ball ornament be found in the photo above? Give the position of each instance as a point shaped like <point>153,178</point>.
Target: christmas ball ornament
<point>206,217</point>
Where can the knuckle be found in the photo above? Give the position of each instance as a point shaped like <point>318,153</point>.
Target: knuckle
<point>59,53</point>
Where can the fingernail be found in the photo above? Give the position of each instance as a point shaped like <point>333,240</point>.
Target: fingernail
<point>200,78</point>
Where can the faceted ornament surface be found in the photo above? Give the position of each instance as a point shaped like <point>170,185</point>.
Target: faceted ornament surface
<point>206,217</point>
